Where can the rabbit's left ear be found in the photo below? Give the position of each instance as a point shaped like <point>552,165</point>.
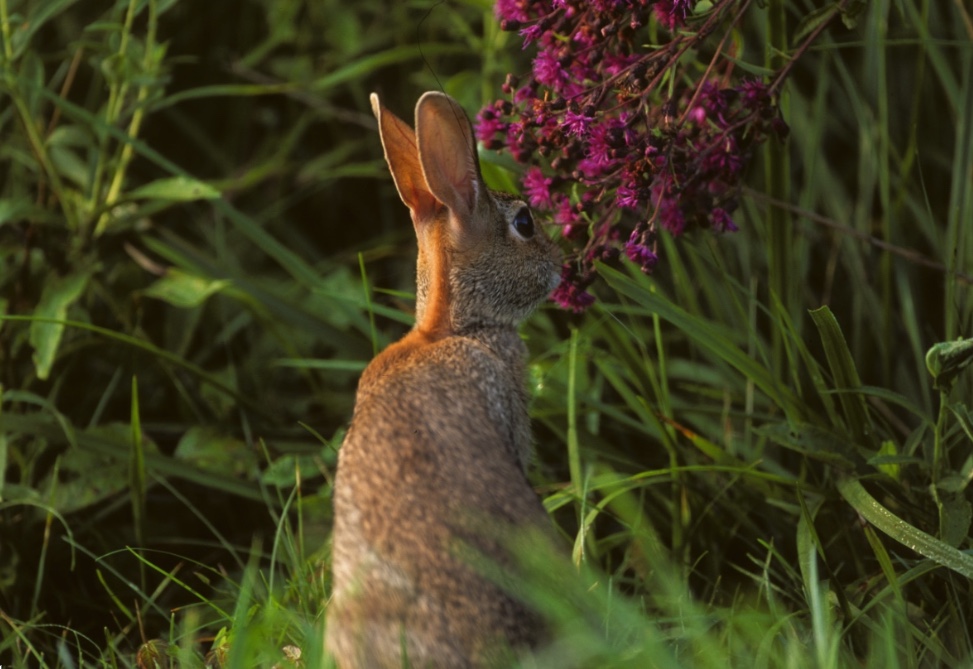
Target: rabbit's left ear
<point>447,152</point>
<point>402,156</point>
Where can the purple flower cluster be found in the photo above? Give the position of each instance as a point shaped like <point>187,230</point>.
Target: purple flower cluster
<point>614,155</point>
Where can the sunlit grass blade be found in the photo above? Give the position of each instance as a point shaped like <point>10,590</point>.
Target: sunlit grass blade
<point>908,535</point>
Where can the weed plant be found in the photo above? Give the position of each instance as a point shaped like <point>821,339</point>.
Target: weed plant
<point>759,455</point>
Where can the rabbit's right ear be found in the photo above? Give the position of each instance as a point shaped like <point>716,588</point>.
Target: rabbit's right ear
<point>447,151</point>
<point>402,156</point>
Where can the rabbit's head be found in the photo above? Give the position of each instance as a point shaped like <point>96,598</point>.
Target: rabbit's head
<point>483,260</point>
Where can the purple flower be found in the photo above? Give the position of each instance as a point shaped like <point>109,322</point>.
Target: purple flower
<point>519,142</point>
<point>488,126</point>
<point>591,168</point>
<point>600,143</point>
<point>511,10</point>
<point>609,150</point>
<point>753,93</point>
<point>780,128</point>
<point>531,34</point>
<point>566,213</point>
<point>598,151</point>
<point>641,255</point>
<point>537,187</point>
<point>618,129</point>
<point>524,94</point>
<point>585,37</point>
<point>723,157</point>
<point>698,114</point>
<point>722,221</point>
<point>715,102</point>
<point>627,197</point>
<point>577,124</point>
<point>615,63</point>
<point>667,212</point>
<point>571,293</point>
<point>673,13</point>
<point>548,71</point>
<point>672,219</point>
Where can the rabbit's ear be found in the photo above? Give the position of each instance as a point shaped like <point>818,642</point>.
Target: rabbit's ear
<point>447,152</point>
<point>402,155</point>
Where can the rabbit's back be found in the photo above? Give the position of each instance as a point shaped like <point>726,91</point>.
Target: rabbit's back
<point>422,494</point>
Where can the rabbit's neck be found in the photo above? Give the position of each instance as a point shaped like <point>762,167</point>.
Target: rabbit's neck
<point>433,289</point>
<point>503,340</point>
<point>505,343</point>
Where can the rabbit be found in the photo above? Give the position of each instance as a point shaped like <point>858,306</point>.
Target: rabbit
<point>432,471</point>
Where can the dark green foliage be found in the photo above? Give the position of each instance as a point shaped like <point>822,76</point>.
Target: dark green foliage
<point>200,249</point>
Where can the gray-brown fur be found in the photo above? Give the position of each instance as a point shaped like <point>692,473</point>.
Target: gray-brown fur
<point>432,471</point>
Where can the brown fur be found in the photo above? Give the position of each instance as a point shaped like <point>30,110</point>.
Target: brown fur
<point>432,470</point>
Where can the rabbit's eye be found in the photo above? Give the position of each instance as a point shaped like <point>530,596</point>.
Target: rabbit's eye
<point>524,223</point>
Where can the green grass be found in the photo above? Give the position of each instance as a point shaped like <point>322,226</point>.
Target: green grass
<point>746,455</point>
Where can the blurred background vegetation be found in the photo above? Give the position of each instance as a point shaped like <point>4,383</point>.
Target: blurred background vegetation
<point>200,249</point>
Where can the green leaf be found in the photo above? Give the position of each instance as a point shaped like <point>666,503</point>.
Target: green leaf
<point>15,209</point>
<point>69,165</point>
<point>178,188</point>
<point>938,551</point>
<point>851,11</point>
<point>953,483</point>
<point>184,290</point>
<point>947,359</point>
<point>955,517</point>
<point>31,78</point>
<point>70,135</point>
<point>883,558</point>
<point>290,470</point>
<point>811,21</point>
<point>845,374</point>
<point>208,450</point>
<point>42,13</point>
<point>814,442</point>
<point>84,478</point>
<point>808,541</point>
<point>887,460</point>
<point>499,174</point>
<point>59,294</point>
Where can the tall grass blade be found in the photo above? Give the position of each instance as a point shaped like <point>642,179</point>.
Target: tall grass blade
<point>720,343</point>
<point>137,474</point>
<point>845,375</point>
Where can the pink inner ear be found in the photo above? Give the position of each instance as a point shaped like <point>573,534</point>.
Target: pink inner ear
<point>449,175</point>
<point>447,153</point>
<point>467,190</point>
